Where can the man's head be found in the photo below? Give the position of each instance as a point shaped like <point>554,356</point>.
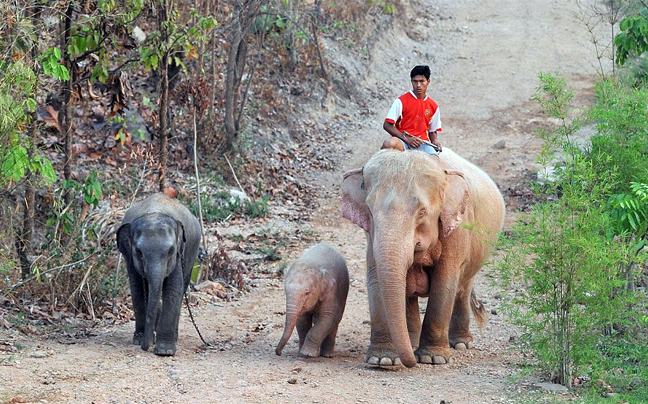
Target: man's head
<point>420,76</point>
<point>420,70</point>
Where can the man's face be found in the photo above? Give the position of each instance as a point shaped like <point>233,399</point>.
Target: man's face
<point>420,85</point>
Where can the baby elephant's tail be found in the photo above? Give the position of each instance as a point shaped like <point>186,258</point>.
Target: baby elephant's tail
<point>478,309</point>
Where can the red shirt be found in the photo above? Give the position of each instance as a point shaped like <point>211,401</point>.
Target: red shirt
<point>415,116</point>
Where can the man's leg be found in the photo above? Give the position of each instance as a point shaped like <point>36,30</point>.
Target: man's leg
<point>393,143</point>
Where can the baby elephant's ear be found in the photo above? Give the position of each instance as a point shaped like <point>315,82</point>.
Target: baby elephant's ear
<point>354,206</point>
<point>124,239</point>
<point>180,238</point>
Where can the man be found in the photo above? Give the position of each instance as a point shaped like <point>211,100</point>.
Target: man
<point>414,118</point>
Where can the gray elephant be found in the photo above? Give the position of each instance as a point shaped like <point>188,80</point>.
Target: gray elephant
<point>430,224</point>
<point>159,239</point>
<point>316,288</point>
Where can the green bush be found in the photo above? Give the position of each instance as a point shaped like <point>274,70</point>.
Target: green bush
<point>567,258</point>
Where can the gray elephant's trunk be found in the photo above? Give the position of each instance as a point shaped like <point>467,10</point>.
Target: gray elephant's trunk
<point>152,310</point>
<point>392,261</point>
<point>292,314</point>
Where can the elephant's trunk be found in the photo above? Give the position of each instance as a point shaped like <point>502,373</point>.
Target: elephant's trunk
<point>152,310</point>
<point>292,314</point>
<point>392,262</point>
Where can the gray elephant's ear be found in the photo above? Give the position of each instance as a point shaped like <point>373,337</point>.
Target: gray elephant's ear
<point>181,240</point>
<point>124,239</point>
<point>455,201</point>
<point>354,206</point>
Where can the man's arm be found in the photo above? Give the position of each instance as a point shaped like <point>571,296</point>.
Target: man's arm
<point>434,140</point>
<point>391,129</point>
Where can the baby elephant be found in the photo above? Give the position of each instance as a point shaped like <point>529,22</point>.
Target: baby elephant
<point>159,239</point>
<point>316,287</point>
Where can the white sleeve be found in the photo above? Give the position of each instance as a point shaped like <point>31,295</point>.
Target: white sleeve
<point>395,111</point>
<point>435,122</point>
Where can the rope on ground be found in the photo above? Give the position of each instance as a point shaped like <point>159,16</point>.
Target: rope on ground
<point>194,321</point>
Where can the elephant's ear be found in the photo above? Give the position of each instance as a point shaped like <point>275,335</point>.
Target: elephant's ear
<point>124,239</point>
<point>354,206</point>
<point>124,243</point>
<point>455,201</point>
<point>328,288</point>
<point>181,240</point>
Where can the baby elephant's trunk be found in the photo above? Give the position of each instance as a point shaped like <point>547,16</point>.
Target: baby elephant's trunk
<point>291,320</point>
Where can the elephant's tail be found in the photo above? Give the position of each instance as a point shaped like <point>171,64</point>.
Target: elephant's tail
<point>478,309</point>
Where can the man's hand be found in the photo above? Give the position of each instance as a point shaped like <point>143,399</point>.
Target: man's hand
<point>412,141</point>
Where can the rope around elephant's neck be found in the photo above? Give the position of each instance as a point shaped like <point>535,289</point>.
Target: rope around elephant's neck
<point>194,321</point>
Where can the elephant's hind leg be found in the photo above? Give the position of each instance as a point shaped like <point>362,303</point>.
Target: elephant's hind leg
<point>459,335</point>
<point>413,320</point>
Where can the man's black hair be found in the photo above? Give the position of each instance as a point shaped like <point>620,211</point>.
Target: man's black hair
<point>422,70</point>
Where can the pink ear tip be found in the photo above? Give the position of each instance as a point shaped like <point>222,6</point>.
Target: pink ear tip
<point>349,213</point>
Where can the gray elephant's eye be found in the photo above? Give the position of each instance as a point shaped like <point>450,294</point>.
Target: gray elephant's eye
<point>171,252</point>
<point>138,252</point>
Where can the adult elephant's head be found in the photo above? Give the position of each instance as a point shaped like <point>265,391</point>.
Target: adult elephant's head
<point>155,245</point>
<point>408,203</point>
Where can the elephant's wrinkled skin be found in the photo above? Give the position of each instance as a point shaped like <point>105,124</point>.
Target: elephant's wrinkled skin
<point>430,223</point>
<point>159,239</point>
<point>316,288</point>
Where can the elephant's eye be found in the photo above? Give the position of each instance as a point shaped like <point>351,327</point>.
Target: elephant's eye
<point>138,252</point>
<point>171,252</point>
<point>422,213</point>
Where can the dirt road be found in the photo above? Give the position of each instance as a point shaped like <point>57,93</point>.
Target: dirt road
<point>485,58</point>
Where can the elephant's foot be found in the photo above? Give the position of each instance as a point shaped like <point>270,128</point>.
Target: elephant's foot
<point>308,351</point>
<point>138,337</point>
<point>165,348</point>
<point>461,342</point>
<point>382,356</point>
<point>433,356</point>
<point>462,346</point>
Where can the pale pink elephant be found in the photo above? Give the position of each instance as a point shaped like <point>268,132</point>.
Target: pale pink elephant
<point>430,223</point>
<point>316,288</point>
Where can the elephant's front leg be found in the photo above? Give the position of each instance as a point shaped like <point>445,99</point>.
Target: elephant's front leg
<point>434,347</point>
<point>138,289</point>
<point>328,345</point>
<point>322,325</point>
<point>304,324</point>
<point>167,327</point>
<point>381,350</point>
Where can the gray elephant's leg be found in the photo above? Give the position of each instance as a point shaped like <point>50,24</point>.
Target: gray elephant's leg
<point>413,320</point>
<point>166,330</point>
<point>138,289</point>
<point>460,336</point>
<point>304,324</point>
<point>381,350</point>
<point>434,347</point>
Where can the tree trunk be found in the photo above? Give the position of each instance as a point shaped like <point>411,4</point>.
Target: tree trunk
<point>163,17</point>
<point>24,236</point>
<point>244,16</point>
<point>64,115</point>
